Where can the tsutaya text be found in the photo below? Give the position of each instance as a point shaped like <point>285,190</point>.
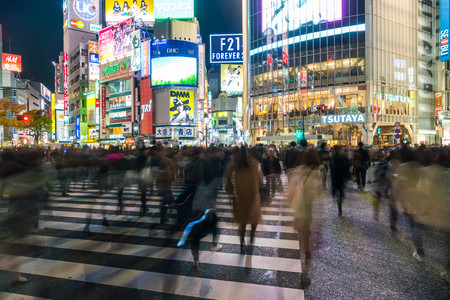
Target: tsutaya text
<point>354,118</point>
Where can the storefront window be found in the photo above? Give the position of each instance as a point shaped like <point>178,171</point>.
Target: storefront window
<point>119,86</point>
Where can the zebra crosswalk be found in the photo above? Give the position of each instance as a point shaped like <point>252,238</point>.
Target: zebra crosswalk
<point>137,257</point>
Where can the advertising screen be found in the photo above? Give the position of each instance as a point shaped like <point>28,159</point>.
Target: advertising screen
<point>445,28</point>
<point>181,106</point>
<point>174,62</point>
<point>119,10</point>
<point>82,15</point>
<point>145,58</point>
<point>280,16</point>
<point>116,40</point>
<point>177,9</point>
<point>45,92</point>
<point>231,79</point>
<point>225,48</point>
<point>11,62</point>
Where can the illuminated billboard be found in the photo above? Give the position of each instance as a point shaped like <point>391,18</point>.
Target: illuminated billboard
<point>232,79</point>
<point>11,62</point>
<point>94,61</point>
<point>116,40</point>
<point>177,9</point>
<point>282,16</point>
<point>119,10</point>
<point>145,58</point>
<point>445,28</point>
<point>174,62</point>
<point>146,107</point>
<point>181,106</point>
<point>45,92</point>
<point>225,48</point>
<point>82,15</point>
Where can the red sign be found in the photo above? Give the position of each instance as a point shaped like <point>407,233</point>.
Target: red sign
<point>438,112</point>
<point>11,62</point>
<point>103,108</point>
<point>303,78</point>
<point>146,107</point>
<point>66,83</point>
<point>285,58</point>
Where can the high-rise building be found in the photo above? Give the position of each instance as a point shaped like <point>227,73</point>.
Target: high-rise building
<point>346,70</point>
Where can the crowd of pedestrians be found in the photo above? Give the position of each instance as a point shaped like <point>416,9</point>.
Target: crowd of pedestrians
<point>414,181</point>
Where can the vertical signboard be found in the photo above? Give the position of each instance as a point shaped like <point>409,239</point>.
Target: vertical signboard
<point>145,58</point>
<point>146,107</point>
<point>66,85</point>
<point>103,108</point>
<point>136,50</point>
<point>77,127</point>
<point>201,72</point>
<point>94,61</point>
<point>445,28</point>
<point>59,79</point>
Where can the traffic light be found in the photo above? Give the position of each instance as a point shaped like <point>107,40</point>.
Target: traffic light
<point>299,133</point>
<point>24,118</point>
<point>379,130</point>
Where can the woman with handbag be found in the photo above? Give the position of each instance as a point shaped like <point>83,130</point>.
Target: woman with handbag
<point>304,188</point>
<point>247,176</point>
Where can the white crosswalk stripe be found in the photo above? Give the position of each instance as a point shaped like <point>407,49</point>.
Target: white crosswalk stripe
<point>138,253</point>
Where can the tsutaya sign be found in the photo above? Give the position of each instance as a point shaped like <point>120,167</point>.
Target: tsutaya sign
<point>393,98</point>
<point>334,119</point>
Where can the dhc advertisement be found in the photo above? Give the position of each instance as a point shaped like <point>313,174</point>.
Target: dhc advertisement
<point>174,63</point>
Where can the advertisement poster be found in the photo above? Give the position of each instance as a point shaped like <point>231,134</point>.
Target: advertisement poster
<point>146,107</point>
<point>181,106</point>
<point>82,15</point>
<point>303,79</point>
<point>45,92</point>
<point>177,9</point>
<point>145,58</point>
<point>11,62</point>
<point>282,16</point>
<point>90,102</point>
<point>116,40</point>
<point>119,10</point>
<point>232,79</point>
<point>174,62</point>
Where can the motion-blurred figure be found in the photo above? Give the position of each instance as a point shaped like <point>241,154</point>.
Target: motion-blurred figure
<point>339,173</point>
<point>244,179</point>
<point>360,160</point>
<point>304,188</point>
<point>271,169</point>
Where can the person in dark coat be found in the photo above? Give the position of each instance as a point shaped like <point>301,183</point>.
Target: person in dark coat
<point>271,170</point>
<point>360,160</point>
<point>339,173</point>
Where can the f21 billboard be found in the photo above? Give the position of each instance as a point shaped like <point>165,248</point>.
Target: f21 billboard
<point>225,48</point>
<point>174,63</point>
<point>83,15</point>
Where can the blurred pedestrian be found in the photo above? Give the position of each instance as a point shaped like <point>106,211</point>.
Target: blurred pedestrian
<point>244,179</point>
<point>339,166</point>
<point>304,188</point>
<point>360,161</point>
<point>271,170</point>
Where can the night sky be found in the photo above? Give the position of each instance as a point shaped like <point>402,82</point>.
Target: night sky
<point>34,28</point>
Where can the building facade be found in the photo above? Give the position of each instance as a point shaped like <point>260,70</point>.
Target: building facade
<point>347,70</point>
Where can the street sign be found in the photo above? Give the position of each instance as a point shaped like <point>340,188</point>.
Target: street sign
<point>397,131</point>
<point>8,114</point>
<point>392,130</point>
<point>300,123</point>
<point>397,124</point>
<point>397,136</point>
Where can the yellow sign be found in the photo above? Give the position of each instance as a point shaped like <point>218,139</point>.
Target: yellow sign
<point>117,130</point>
<point>181,106</point>
<point>232,79</point>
